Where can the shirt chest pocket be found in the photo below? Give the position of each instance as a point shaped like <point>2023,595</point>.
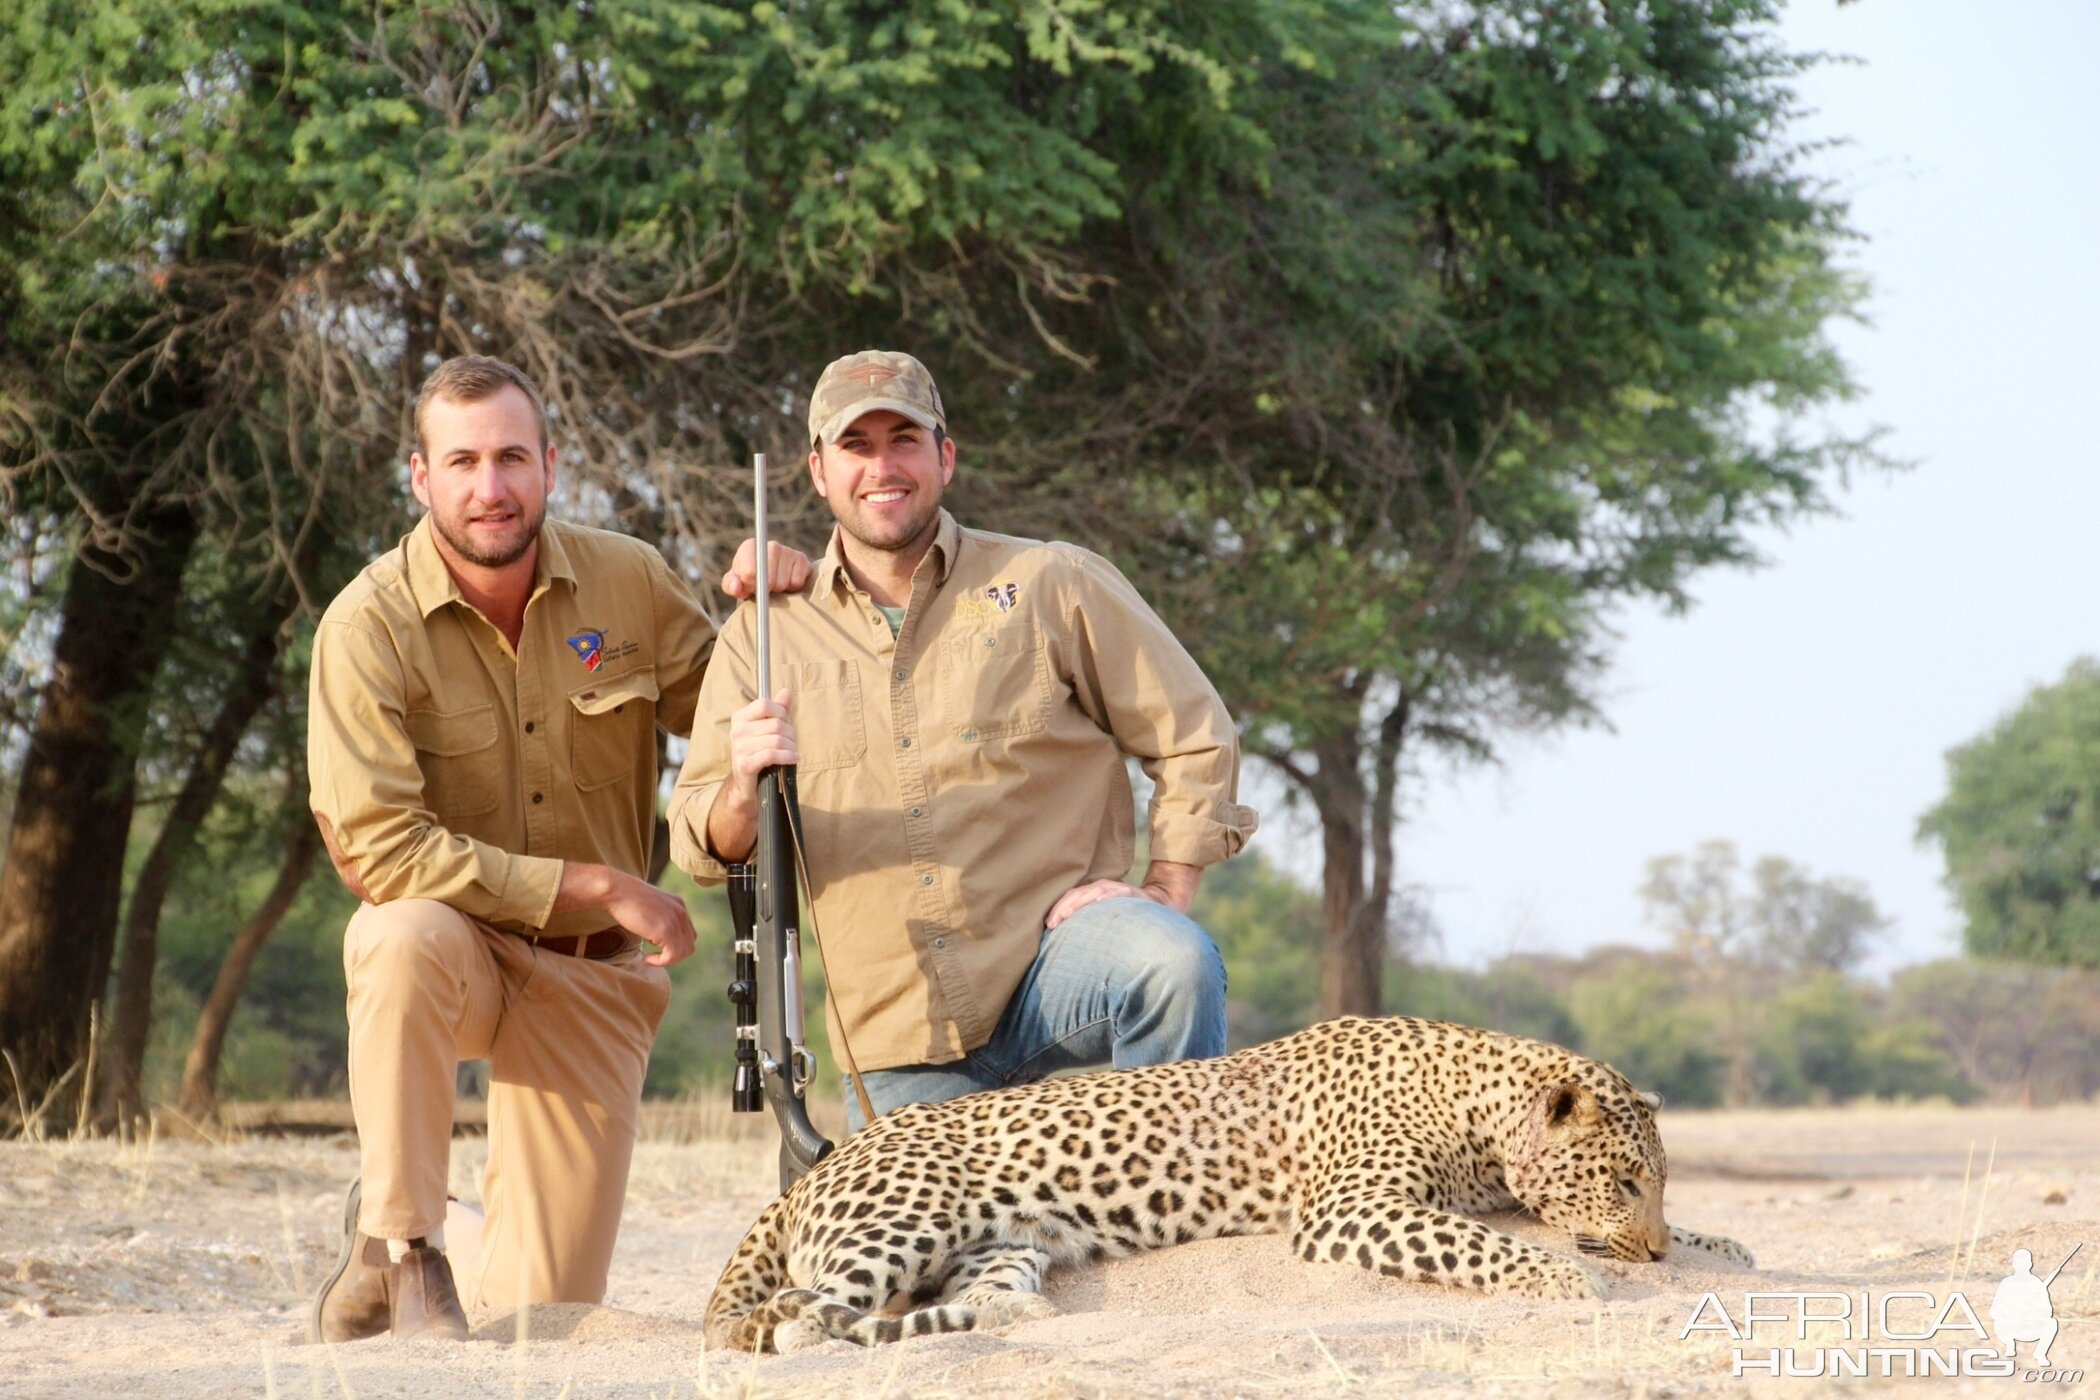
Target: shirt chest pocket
<point>612,734</point>
<point>995,684</point>
<point>829,729</point>
<point>456,752</point>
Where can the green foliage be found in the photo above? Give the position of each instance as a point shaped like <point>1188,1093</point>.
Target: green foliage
<point>1905,1060</point>
<point>2021,1031</point>
<point>1633,1020</point>
<point>2020,826</point>
<point>260,1061</point>
<point>1812,1041</point>
<point>1827,1039</point>
<point>696,1044</point>
<point>1509,996</point>
<point>1267,925</point>
<point>1470,449</point>
<point>294,997</point>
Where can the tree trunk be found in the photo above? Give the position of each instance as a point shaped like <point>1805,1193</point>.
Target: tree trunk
<point>121,1100</point>
<point>63,872</point>
<point>1353,915</point>
<point>198,1100</point>
<point>1352,952</point>
<point>1384,816</point>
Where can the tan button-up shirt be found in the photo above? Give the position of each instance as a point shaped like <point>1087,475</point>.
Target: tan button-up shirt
<point>958,778</point>
<point>445,766</point>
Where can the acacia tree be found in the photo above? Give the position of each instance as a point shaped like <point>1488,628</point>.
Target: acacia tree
<point>1613,282</point>
<point>1469,357</point>
<point>2020,826</point>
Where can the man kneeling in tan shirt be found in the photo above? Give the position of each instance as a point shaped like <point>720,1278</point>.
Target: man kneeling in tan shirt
<point>959,706</point>
<point>482,749</point>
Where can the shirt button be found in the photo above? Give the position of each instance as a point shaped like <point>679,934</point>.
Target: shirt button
<point>991,641</point>
<point>537,799</point>
<point>940,942</point>
<point>897,674</point>
<point>969,736</point>
<point>925,879</point>
<point>918,811</point>
<point>905,741</point>
<point>528,726</point>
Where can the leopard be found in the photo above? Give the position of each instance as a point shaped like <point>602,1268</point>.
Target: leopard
<point>1374,1140</point>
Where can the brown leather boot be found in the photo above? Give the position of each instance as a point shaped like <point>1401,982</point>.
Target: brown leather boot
<point>368,1293</point>
<point>421,1299</point>
<point>351,1304</point>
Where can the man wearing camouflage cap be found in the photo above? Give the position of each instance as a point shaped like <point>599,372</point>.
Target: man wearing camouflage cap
<point>958,706</point>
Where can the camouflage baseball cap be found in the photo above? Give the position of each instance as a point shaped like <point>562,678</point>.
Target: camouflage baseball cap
<point>869,380</point>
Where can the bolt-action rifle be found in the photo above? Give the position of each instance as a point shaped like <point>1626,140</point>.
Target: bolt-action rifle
<point>772,1063</point>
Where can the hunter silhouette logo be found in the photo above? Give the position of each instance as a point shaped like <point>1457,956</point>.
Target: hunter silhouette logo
<point>2021,1310</point>
<point>589,646</point>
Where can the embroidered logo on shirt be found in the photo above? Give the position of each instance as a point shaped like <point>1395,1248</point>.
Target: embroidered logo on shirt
<point>988,602</point>
<point>589,646</point>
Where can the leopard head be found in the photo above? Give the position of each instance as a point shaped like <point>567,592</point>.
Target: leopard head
<point>1589,1160</point>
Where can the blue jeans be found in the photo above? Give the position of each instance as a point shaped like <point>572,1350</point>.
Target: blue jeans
<point>1123,982</point>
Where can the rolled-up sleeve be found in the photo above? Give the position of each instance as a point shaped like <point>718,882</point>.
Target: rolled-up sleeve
<point>1134,678</point>
<point>368,794</point>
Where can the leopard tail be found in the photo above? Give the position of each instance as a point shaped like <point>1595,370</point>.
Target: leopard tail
<point>815,1315</point>
<point>754,1274</point>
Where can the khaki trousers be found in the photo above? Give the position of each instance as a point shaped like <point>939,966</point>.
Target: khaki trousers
<point>567,1040</point>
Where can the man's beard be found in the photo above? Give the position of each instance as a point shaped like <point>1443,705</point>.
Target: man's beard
<point>922,528</point>
<point>474,554</point>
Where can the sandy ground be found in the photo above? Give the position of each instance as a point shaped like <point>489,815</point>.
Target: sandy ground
<point>182,1270</point>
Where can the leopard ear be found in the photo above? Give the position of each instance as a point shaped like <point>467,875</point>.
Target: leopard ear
<point>1571,1104</point>
<point>1654,1101</point>
<point>1560,1113</point>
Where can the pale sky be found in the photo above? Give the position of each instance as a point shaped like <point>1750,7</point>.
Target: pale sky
<point>1804,709</point>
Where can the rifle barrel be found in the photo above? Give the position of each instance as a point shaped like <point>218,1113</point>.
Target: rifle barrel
<point>775,940</point>
<point>763,575</point>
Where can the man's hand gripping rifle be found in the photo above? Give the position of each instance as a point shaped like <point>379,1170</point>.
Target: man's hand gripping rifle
<point>771,1060</point>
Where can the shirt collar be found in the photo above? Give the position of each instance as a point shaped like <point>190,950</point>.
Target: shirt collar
<point>434,585</point>
<point>831,569</point>
<point>553,562</point>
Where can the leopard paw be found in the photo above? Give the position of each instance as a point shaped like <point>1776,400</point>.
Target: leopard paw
<point>1006,1307</point>
<point>1713,1246</point>
<point>799,1334</point>
<point>1553,1278</point>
